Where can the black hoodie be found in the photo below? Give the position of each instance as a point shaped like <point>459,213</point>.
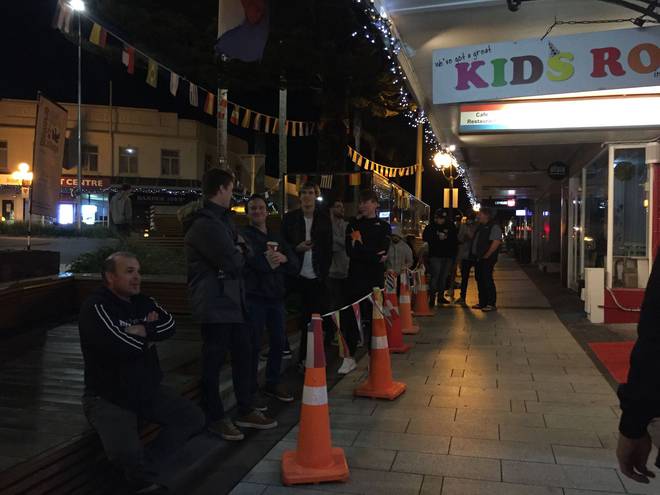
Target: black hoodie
<point>119,367</point>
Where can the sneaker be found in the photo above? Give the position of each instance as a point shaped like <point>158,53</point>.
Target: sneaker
<point>257,420</point>
<point>278,391</point>
<point>260,402</point>
<point>477,306</point>
<point>286,354</point>
<point>347,366</point>
<point>488,308</point>
<point>226,429</point>
<point>444,301</point>
<point>460,301</point>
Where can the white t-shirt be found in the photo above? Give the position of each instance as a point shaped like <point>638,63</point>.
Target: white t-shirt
<point>307,269</point>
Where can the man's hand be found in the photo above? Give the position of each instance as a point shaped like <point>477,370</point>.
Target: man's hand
<point>633,454</point>
<point>279,258</point>
<point>153,316</point>
<point>304,246</point>
<point>383,256</point>
<point>137,330</point>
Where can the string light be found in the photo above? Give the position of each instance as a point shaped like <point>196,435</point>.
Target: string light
<point>412,112</point>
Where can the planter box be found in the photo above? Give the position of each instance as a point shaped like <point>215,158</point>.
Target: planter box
<point>20,265</point>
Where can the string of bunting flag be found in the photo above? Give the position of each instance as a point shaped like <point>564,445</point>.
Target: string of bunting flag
<point>384,170</point>
<point>239,116</point>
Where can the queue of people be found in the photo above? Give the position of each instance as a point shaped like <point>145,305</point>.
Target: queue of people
<point>238,281</point>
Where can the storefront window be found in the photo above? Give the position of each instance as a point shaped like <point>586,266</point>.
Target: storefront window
<point>595,213</point>
<point>630,251</point>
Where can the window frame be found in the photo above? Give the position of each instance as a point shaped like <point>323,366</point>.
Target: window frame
<point>168,156</point>
<point>130,157</point>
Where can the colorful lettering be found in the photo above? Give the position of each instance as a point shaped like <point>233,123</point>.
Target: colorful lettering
<point>498,72</point>
<point>607,57</point>
<point>560,67</point>
<point>519,69</point>
<point>635,58</point>
<point>467,73</point>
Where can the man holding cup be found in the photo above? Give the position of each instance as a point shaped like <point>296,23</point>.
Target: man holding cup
<point>272,259</point>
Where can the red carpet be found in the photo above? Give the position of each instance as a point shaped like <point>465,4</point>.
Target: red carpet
<point>615,356</point>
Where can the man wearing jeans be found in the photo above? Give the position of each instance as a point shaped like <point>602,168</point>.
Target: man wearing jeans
<point>485,248</point>
<point>119,328</point>
<point>442,239</point>
<point>270,260</point>
<point>216,256</point>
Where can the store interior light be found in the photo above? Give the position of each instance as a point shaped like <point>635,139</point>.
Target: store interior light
<point>511,192</point>
<point>77,5</point>
<point>130,151</point>
<point>511,202</point>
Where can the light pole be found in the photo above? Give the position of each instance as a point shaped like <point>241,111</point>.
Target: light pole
<point>24,176</point>
<point>445,162</point>
<point>79,7</point>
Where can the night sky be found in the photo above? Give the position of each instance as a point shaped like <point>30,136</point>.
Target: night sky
<point>36,57</point>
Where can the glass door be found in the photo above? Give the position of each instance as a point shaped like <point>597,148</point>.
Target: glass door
<point>575,233</point>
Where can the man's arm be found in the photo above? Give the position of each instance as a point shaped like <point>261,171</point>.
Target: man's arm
<point>161,325</point>
<point>103,331</point>
<point>216,246</point>
<point>492,248</point>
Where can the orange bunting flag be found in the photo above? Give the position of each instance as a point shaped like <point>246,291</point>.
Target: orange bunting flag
<point>343,346</point>
<point>209,103</point>
<point>354,179</point>
<point>222,107</point>
<point>98,36</point>
<point>246,118</point>
<point>276,125</point>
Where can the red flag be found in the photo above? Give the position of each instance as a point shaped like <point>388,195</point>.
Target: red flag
<point>234,115</point>
<point>98,36</point>
<point>128,58</point>
<point>209,103</point>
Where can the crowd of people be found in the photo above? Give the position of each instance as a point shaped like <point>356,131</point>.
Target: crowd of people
<point>238,281</point>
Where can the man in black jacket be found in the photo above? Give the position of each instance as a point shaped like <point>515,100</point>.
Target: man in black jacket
<point>216,256</point>
<point>485,250</point>
<point>118,329</point>
<point>640,396</point>
<point>442,238</point>
<point>271,259</point>
<point>309,231</point>
<point>367,242</point>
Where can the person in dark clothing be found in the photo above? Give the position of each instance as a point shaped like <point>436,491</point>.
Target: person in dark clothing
<point>640,395</point>
<point>118,328</point>
<point>485,249</point>
<point>465,235</point>
<point>216,256</point>
<point>442,238</point>
<point>367,243</point>
<point>271,259</point>
<point>309,231</point>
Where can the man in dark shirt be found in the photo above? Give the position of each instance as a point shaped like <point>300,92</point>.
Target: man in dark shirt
<point>485,250</point>
<point>119,327</point>
<point>442,238</point>
<point>367,242</point>
<point>640,395</point>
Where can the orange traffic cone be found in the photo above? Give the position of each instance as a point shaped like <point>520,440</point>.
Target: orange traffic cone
<point>314,460</point>
<point>379,385</point>
<point>421,306</point>
<point>407,325</point>
<point>393,320</point>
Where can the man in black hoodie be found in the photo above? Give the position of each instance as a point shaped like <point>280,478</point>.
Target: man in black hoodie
<point>367,242</point>
<point>118,329</point>
<point>640,395</point>
<point>216,256</point>
<point>442,238</point>
<point>271,259</point>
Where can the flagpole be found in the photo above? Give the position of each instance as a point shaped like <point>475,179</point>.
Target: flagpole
<point>79,188</point>
<point>282,150</point>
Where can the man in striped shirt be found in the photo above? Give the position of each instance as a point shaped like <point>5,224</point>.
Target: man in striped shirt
<point>119,328</point>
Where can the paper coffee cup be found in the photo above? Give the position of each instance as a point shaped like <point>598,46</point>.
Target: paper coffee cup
<point>272,245</point>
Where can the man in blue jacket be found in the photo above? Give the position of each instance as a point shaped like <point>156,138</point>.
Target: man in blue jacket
<point>119,328</point>
<point>271,259</point>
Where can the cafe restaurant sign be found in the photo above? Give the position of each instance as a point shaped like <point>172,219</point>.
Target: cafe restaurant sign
<point>623,58</point>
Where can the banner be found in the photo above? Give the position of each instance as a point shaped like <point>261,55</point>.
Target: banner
<point>384,170</point>
<point>49,134</point>
<point>623,58</point>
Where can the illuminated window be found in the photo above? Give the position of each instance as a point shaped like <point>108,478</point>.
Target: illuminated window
<point>65,214</point>
<point>128,160</point>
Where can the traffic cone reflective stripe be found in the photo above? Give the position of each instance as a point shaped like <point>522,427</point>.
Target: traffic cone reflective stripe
<point>407,325</point>
<point>393,322</point>
<point>314,460</point>
<point>379,384</point>
<point>421,306</point>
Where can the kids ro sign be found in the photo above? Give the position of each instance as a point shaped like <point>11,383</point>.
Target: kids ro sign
<point>622,58</point>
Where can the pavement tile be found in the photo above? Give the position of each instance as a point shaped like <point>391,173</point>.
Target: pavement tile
<point>455,486</point>
<point>500,417</point>
<point>570,409</point>
<point>386,411</point>
<point>653,488</point>
<point>499,393</point>
<point>244,488</point>
<point>454,428</point>
<point>559,436</point>
<point>583,456</point>
<point>588,478</point>
<point>432,444</point>
<point>432,485</point>
<point>501,449</point>
<point>447,465</point>
<point>298,490</point>
<point>589,423</point>
<point>368,482</point>
<point>472,403</point>
<point>351,422</point>
<point>606,399</point>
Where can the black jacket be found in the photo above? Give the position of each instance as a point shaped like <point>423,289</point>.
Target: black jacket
<point>293,231</point>
<point>119,367</point>
<point>365,238</point>
<point>640,396</point>
<point>260,279</point>
<point>441,248</point>
<point>215,264</point>
<point>482,240</point>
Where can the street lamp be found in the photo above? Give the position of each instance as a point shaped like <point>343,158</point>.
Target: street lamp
<point>24,176</point>
<point>445,162</point>
<point>79,6</point>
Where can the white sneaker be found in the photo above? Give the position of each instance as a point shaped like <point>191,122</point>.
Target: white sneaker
<point>347,366</point>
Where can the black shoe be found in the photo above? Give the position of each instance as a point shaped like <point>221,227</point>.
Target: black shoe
<point>443,300</point>
<point>488,308</point>
<point>432,301</point>
<point>280,392</point>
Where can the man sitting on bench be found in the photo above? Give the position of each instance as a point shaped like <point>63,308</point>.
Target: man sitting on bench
<point>118,329</point>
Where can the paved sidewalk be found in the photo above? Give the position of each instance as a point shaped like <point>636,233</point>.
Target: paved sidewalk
<point>504,403</point>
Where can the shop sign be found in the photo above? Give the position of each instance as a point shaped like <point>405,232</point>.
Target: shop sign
<point>624,58</point>
<point>558,170</point>
<point>95,182</point>
<point>164,198</point>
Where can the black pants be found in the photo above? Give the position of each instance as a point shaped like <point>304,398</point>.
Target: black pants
<point>361,283</point>
<point>218,339</point>
<point>118,429</point>
<point>466,268</point>
<point>340,293</point>
<point>312,298</point>
<point>483,272</point>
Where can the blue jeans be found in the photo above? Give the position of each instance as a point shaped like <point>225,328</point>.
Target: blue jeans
<point>269,314</point>
<point>439,268</point>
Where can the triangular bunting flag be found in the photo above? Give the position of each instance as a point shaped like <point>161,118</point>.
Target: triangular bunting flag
<point>152,73</point>
<point>267,123</point>
<point>359,160</point>
<point>300,129</point>
<point>286,129</point>
<point>257,122</point>
<point>98,36</point>
<point>209,104</point>
<point>235,115</point>
<point>174,83</point>
<point>222,107</point>
<point>276,125</point>
<point>343,346</point>
<point>193,95</point>
<point>128,58</point>
<point>63,16</point>
<point>246,118</point>
<point>294,128</point>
